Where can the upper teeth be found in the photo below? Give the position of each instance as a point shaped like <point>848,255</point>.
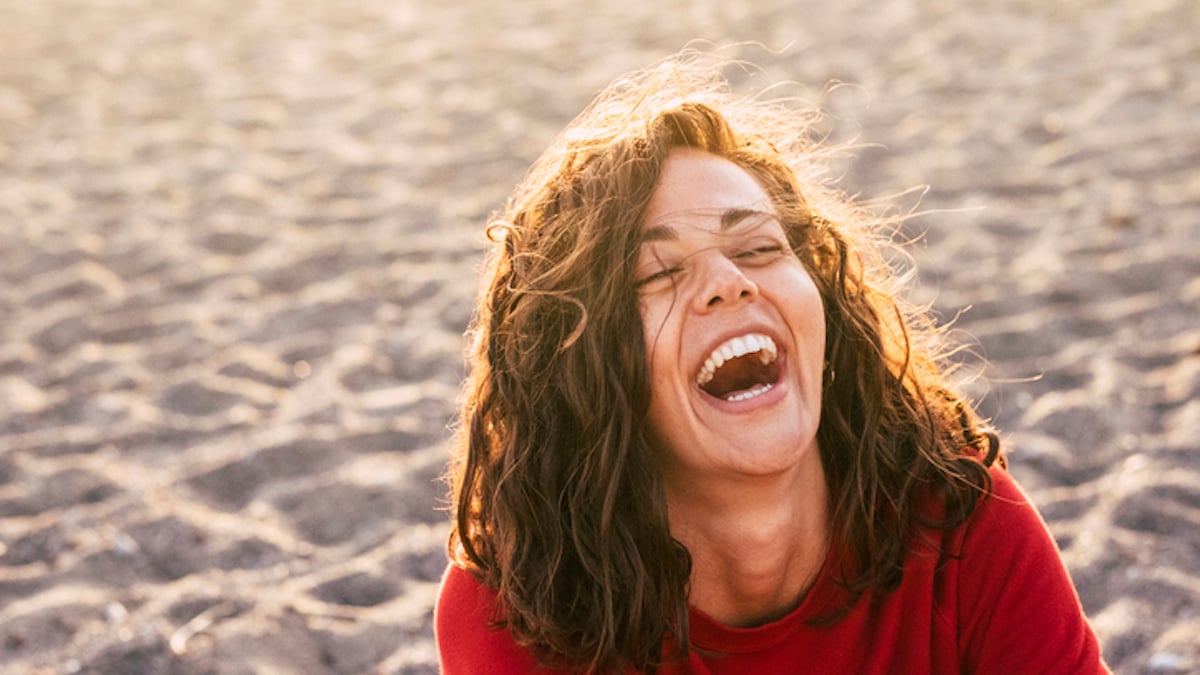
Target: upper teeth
<point>731,349</point>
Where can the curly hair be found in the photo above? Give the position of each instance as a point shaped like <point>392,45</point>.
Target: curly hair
<point>558,503</point>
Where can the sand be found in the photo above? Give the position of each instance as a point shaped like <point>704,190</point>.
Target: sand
<point>238,249</point>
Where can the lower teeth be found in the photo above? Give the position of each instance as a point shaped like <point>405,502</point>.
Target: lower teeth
<point>757,391</point>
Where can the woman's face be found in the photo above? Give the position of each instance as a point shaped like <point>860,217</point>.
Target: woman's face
<point>734,325</point>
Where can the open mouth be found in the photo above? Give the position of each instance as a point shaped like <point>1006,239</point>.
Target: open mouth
<point>741,368</point>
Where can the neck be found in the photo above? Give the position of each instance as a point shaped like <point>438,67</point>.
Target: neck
<point>757,542</point>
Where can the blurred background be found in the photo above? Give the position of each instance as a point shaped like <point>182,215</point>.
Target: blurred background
<point>239,244</point>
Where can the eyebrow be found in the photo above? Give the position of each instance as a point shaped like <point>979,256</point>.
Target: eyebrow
<point>729,219</point>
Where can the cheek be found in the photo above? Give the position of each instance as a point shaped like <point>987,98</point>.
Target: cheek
<point>813,303</point>
<point>649,333</point>
<point>654,314</point>
<point>801,298</point>
<point>815,314</point>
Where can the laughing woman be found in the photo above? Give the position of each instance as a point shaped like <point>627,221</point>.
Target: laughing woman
<point>702,433</point>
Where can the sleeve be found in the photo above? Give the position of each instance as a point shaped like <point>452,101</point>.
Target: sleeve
<point>466,642</point>
<point>1019,612</point>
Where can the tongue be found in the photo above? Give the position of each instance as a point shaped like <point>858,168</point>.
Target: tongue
<point>741,374</point>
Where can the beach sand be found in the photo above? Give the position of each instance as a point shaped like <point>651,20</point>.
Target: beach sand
<point>239,244</point>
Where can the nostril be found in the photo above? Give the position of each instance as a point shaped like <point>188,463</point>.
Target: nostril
<point>741,294</point>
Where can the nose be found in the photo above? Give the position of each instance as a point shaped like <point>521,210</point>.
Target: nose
<point>723,284</point>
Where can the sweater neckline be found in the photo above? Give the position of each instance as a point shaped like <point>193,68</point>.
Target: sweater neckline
<point>708,634</point>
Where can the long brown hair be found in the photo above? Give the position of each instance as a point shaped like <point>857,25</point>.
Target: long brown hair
<point>558,504</point>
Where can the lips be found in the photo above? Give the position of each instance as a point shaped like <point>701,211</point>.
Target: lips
<point>740,368</point>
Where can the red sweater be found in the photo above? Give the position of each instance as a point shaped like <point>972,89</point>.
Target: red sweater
<point>1005,606</point>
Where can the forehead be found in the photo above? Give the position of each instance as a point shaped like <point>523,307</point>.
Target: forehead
<point>697,188</point>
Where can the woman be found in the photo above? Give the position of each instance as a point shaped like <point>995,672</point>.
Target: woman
<point>701,433</point>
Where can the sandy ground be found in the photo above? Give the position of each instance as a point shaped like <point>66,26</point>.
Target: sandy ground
<point>238,246</point>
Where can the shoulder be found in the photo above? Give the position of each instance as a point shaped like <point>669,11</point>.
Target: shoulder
<point>1006,534</point>
<point>464,625</point>
<point>1012,582</point>
<point>462,593</point>
<point>1005,541</point>
<point>1006,512</point>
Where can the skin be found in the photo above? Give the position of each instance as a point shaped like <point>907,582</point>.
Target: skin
<point>746,493</point>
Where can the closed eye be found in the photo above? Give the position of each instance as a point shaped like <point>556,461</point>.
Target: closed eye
<point>658,276</point>
<point>759,254</point>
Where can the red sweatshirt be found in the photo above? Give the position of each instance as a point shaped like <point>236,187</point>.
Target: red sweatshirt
<point>1005,606</point>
